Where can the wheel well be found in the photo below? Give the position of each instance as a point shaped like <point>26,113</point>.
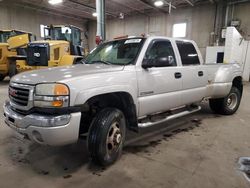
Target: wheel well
<point>120,100</point>
<point>237,82</point>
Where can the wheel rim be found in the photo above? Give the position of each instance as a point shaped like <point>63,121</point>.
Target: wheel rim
<point>232,101</point>
<point>114,138</point>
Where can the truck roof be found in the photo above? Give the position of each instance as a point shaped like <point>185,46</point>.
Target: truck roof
<point>170,38</point>
<point>151,37</point>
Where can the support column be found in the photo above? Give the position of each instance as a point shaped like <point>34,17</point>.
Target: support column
<point>101,25</point>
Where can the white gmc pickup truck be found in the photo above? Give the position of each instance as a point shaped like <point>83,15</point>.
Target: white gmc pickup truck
<point>128,83</point>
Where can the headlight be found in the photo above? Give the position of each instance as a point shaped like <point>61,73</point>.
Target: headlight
<point>51,90</point>
<point>51,95</point>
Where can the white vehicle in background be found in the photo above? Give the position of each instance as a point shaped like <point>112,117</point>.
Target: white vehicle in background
<point>123,84</point>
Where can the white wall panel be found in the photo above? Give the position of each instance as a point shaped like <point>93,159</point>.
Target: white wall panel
<point>233,47</point>
<point>246,60</point>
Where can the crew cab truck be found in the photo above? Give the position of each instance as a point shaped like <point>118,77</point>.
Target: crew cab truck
<point>123,84</point>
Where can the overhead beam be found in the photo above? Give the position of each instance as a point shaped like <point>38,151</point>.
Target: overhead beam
<point>146,4</point>
<point>133,8</point>
<point>238,1</point>
<point>169,4</point>
<point>189,2</point>
<point>60,9</point>
<point>91,7</point>
<point>153,7</point>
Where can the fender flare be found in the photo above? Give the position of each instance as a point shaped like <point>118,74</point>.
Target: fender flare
<point>83,96</point>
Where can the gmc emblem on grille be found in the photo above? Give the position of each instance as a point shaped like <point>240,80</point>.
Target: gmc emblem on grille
<point>13,92</point>
<point>37,54</point>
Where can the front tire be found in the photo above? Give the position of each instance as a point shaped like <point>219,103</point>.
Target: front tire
<point>107,136</point>
<point>227,105</point>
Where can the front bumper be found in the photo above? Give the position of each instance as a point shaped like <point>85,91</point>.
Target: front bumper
<point>62,129</point>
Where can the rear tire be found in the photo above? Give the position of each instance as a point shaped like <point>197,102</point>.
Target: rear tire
<point>2,77</point>
<point>107,136</point>
<point>227,105</point>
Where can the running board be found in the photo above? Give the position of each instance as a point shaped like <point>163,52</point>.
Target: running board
<point>170,117</point>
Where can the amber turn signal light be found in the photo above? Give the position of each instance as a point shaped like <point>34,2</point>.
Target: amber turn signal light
<point>61,89</point>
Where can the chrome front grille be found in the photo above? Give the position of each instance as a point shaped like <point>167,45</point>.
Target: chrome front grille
<point>21,96</point>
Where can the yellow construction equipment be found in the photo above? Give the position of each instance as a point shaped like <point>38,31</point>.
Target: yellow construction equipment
<point>9,48</point>
<point>62,46</point>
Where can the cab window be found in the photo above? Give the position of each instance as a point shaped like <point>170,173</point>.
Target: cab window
<point>76,36</point>
<point>188,53</point>
<point>161,49</point>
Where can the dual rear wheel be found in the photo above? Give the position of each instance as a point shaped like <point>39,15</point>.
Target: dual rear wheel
<point>227,105</point>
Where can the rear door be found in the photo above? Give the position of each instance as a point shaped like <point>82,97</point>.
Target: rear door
<point>159,87</point>
<point>193,72</point>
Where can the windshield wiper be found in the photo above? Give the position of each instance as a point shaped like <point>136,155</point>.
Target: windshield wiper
<point>104,62</point>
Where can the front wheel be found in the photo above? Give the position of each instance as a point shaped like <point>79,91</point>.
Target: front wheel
<point>107,136</point>
<point>227,105</point>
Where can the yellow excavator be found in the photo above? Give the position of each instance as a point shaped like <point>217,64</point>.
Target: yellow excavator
<point>7,51</point>
<point>62,46</point>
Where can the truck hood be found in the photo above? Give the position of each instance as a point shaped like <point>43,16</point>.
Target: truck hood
<point>62,74</point>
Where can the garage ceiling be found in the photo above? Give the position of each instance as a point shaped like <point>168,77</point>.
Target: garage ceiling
<point>83,9</point>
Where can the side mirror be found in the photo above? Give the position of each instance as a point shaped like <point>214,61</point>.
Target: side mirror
<point>147,63</point>
<point>159,62</point>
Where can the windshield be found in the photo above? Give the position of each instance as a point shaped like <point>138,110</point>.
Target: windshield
<point>70,34</point>
<point>61,33</point>
<point>4,36</point>
<point>119,52</point>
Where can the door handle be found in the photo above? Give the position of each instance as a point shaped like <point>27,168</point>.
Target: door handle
<point>200,73</point>
<point>177,75</point>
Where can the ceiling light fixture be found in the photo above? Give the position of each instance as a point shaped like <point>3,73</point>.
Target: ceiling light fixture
<point>158,3</point>
<point>54,2</point>
<point>94,14</point>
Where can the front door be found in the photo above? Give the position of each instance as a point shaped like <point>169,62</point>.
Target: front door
<point>159,87</point>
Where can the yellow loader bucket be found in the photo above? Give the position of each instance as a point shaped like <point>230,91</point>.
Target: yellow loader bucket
<point>18,41</point>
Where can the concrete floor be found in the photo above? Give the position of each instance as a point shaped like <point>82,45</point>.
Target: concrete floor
<point>200,150</point>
